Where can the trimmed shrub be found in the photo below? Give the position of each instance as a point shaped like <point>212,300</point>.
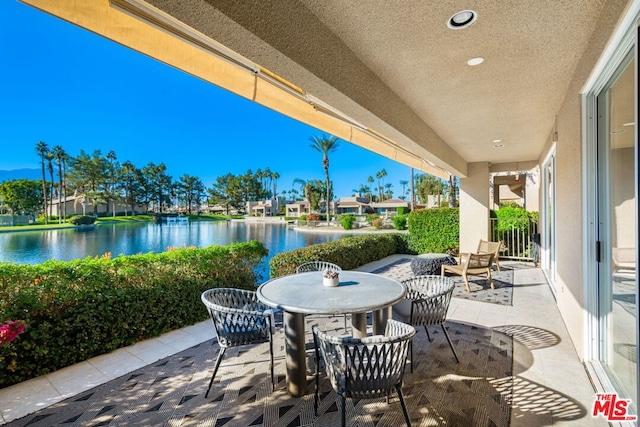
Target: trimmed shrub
<point>348,252</point>
<point>80,309</point>
<point>82,219</point>
<point>377,223</point>
<point>508,218</point>
<point>403,210</point>
<point>399,222</point>
<point>371,217</point>
<point>347,221</point>
<point>434,230</point>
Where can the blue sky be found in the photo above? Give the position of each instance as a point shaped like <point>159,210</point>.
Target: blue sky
<point>66,86</point>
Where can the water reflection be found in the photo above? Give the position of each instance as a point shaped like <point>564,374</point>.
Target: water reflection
<point>33,247</point>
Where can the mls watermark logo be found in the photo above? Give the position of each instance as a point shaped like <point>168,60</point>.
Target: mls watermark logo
<point>612,408</point>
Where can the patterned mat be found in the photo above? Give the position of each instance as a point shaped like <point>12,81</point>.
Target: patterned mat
<point>480,288</point>
<point>477,391</point>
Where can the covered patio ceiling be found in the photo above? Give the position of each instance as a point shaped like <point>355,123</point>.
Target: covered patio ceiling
<point>393,72</point>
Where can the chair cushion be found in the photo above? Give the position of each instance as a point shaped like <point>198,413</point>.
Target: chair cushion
<point>403,310</point>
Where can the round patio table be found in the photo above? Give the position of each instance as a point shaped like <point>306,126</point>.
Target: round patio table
<point>303,293</point>
<point>426,264</point>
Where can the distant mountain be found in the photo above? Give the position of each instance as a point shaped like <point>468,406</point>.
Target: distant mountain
<point>7,175</point>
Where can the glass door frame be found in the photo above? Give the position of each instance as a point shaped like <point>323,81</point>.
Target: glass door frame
<point>621,44</point>
<point>548,218</point>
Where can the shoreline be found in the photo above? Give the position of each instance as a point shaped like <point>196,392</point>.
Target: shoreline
<point>333,229</point>
<point>42,227</point>
<point>269,220</point>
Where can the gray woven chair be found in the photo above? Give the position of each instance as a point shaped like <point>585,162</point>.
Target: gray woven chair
<point>426,304</point>
<point>317,266</point>
<point>364,368</point>
<point>239,319</point>
<point>320,266</point>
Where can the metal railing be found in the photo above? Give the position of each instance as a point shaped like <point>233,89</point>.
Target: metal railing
<point>517,237</point>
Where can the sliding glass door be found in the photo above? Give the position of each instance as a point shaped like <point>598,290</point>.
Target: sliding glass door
<point>617,228</point>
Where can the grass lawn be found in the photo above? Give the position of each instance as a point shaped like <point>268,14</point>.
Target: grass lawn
<point>35,227</point>
<point>40,225</point>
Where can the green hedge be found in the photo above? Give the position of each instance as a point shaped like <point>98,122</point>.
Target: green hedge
<point>81,219</point>
<point>434,230</point>
<point>347,221</point>
<point>399,222</point>
<point>80,309</point>
<point>348,252</point>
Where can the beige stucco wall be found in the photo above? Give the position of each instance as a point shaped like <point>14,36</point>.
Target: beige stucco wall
<point>569,187</point>
<point>474,206</point>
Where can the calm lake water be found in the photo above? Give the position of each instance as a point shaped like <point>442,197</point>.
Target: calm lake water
<point>34,247</point>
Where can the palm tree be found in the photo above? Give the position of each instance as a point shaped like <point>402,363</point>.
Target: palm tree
<point>404,183</point>
<point>49,156</point>
<point>266,174</point>
<point>274,177</point>
<point>112,158</point>
<point>325,145</point>
<point>42,150</point>
<point>61,159</point>
<point>364,189</point>
<point>380,175</point>
<point>305,188</point>
<point>388,191</point>
<point>370,181</point>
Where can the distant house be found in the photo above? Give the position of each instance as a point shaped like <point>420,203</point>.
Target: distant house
<point>265,207</point>
<point>298,208</point>
<point>216,209</point>
<point>354,205</point>
<point>80,205</point>
<point>389,207</point>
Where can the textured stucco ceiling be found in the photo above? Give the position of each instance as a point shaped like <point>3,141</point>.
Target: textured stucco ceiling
<point>394,65</point>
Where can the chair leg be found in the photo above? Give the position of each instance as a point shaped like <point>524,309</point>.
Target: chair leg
<point>215,369</point>
<point>411,354</point>
<point>344,411</point>
<point>428,336</point>
<point>450,343</point>
<point>273,382</point>
<point>490,278</point>
<point>466,282</point>
<point>316,398</point>
<point>404,407</point>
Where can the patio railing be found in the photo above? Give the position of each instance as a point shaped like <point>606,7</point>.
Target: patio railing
<point>517,237</point>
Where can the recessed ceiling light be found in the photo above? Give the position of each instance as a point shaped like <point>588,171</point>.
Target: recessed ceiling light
<point>498,145</point>
<point>475,61</point>
<point>496,140</point>
<point>462,19</point>
<point>629,124</point>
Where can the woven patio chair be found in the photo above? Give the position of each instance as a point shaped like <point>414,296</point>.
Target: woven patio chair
<point>239,319</point>
<point>317,266</point>
<point>321,266</point>
<point>490,247</point>
<point>364,368</point>
<point>473,264</point>
<point>426,304</point>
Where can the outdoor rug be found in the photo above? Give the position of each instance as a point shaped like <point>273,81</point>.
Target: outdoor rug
<point>475,392</point>
<point>480,288</point>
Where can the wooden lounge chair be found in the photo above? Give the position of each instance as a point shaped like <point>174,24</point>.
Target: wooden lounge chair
<point>485,247</point>
<point>471,264</point>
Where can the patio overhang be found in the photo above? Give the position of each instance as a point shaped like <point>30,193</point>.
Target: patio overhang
<point>143,27</point>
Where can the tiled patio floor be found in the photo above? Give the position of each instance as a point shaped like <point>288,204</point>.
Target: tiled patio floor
<point>550,386</point>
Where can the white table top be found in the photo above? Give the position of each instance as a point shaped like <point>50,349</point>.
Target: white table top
<point>358,292</point>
